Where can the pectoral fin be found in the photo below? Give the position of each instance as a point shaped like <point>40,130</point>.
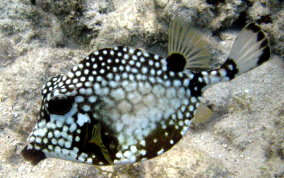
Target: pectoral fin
<point>97,139</point>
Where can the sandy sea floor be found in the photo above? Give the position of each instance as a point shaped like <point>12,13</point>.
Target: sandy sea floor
<point>244,137</point>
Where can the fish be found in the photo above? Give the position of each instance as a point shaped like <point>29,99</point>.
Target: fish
<point>124,105</point>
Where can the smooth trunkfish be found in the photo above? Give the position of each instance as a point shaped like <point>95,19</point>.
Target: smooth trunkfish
<point>122,105</point>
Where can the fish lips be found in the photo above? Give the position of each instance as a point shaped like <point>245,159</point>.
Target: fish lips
<point>32,155</point>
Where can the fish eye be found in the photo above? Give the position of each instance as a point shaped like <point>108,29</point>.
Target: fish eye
<point>60,105</point>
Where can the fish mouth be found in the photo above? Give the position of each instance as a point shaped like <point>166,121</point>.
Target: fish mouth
<point>32,155</point>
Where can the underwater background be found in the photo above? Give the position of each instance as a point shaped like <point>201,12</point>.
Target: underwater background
<point>40,39</point>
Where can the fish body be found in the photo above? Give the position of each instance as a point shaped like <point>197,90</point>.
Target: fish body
<point>123,105</point>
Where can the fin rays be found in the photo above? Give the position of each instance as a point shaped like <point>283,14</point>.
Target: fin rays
<point>188,42</point>
<point>250,49</point>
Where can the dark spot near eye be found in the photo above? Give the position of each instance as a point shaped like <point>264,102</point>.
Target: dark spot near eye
<point>176,62</point>
<point>60,105</point>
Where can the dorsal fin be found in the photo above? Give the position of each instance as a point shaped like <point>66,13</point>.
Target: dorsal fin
<point>186,47</point>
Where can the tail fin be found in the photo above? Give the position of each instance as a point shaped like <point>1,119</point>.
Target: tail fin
<point>250,49</point>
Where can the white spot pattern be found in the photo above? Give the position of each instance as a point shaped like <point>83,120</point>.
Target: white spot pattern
<point>128,91</point>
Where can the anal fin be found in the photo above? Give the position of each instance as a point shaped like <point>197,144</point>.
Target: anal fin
<point>202,115</point>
